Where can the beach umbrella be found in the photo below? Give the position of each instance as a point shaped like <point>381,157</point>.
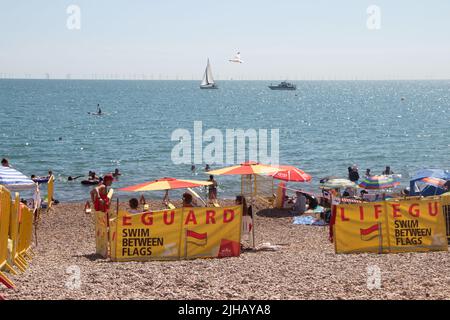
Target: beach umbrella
<point>14,180</point>
<point>432,187</point>
<point>436,182</point>
<point>291,173</point>
<point>166,183</point>
<point>246,168</point>
<point>338,183</point>
<point>379,182</point>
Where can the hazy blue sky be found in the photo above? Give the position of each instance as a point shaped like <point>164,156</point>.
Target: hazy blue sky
<point>278,39</point>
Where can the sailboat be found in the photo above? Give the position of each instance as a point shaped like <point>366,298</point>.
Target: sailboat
<point>208,81</point>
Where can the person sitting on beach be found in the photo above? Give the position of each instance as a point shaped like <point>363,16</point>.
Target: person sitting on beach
<point>5,162</point>
<point>447,185</point>
<point>387,171</point>
<point>207,168</point>
<point>300,204</point>
<point>246,210</point>
<point>134,204</point>
<point>99,195</point>
<point>368,174</point>
<point>187,200</point>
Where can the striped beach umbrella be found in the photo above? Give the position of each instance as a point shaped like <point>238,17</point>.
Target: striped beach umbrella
<point>291,173</point>
<point>246,168</point>
<point>14,180</point>
<point>379,182</point>
<point>166,184</point>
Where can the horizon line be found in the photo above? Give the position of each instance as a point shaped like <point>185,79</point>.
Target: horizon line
<point>198,80</point>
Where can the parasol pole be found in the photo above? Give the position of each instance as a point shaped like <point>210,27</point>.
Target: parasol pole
<point>253,215</point>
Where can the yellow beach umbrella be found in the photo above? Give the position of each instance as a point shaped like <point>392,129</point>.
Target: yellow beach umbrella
<point>166,184</point>
<point>246,168</point>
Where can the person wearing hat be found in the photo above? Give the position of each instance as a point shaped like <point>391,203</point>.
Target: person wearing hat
<point>99,195</point>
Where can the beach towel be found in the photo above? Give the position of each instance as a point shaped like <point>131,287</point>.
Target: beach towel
<point>309,221</point>
<point>304,220</point>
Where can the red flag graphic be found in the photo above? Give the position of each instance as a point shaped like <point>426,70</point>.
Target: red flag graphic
<point>197,238</point>
<point>370,233</point>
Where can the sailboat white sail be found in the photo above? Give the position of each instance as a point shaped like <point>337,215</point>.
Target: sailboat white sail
<point>208,80</point>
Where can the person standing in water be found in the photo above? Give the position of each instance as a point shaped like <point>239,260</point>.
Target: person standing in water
<point>388,171</point>
<point>5,162</point>
<point>99,111</point>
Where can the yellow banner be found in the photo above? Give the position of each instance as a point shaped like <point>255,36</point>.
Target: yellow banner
<point>5,211</point>
<point>25,229</point>
<point>101,234</point>
<point>50,191</point>
<point>390,226</point>
<point>182,233</point>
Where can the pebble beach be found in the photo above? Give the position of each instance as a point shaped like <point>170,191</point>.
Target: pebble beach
<point>304,267</point>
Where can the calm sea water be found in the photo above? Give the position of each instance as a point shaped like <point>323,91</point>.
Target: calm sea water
<point>324,126</point>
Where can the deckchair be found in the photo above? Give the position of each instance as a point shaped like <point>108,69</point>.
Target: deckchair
<point>197,196</point>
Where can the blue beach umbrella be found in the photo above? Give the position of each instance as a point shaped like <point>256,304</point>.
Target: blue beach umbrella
<point>14,180</point>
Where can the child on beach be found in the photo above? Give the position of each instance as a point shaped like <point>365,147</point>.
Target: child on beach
<point>134,204</point>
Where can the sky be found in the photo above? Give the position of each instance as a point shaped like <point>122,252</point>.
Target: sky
<point>172,39</point>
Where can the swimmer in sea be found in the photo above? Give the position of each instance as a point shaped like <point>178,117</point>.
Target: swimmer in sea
<point>70,178</point>
<point>116,173</point>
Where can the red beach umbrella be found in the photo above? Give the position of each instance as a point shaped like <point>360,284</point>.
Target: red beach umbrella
<point>291,173</point>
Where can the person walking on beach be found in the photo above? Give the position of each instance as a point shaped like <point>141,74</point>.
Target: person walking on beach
<point>212,189</point>
<point>99,195</point>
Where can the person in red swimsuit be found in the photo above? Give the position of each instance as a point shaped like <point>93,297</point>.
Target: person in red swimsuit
<point>99,195</point>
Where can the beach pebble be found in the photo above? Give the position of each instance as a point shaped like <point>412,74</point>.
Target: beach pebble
<point>305,267</point>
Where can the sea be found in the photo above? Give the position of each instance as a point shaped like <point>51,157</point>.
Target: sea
<point>324,127</point>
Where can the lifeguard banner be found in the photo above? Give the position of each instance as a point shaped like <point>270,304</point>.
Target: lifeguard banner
<point>390,226</point>
<point>183,233</point>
